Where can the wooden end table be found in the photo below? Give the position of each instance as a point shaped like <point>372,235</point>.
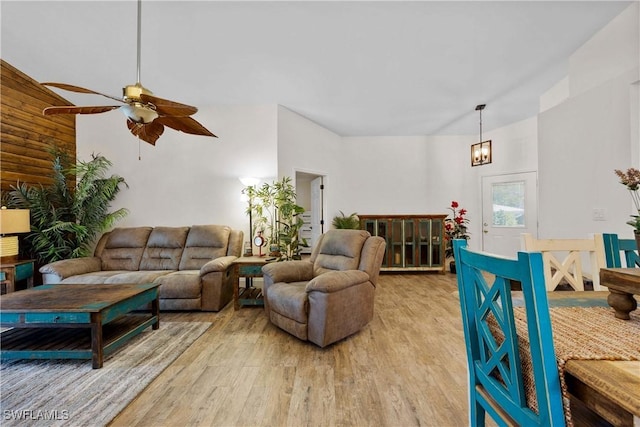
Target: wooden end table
<point>75,321</point>
<point>16,271</point>
<point>248,267</point>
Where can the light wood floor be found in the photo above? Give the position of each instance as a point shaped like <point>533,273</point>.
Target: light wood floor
<point>406,368</point>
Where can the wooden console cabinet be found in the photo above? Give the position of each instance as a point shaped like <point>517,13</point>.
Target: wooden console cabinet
<point>414,242</point>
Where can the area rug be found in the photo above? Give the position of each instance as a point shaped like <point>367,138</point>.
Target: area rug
<point>71,393</point>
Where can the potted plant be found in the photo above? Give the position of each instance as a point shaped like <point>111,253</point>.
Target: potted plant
<point>455,227</point>
<point>275,212</point>
<point>288,220</point>
<point>631,180</point>
<point>346,222</point>
<point>255,222</point>
<point>68,214</point>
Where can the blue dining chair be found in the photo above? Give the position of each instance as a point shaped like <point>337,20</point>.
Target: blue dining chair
<point>614,246</point>
<point>496,381</point>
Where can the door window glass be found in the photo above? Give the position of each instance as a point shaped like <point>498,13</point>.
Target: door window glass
<point>508,204</point>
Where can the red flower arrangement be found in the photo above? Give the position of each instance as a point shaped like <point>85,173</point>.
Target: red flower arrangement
<point>455,227</point>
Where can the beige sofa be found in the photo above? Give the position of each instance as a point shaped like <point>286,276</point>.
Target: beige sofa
<point>192,264</point>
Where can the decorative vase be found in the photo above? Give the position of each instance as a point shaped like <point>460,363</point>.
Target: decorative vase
<point>637,235</point>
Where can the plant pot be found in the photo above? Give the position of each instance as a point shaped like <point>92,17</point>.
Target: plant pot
<point>637,235</point>
<point>274,251</point>
<point>452,266</point>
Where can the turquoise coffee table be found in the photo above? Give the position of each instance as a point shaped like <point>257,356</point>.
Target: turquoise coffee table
<point>75,321</point>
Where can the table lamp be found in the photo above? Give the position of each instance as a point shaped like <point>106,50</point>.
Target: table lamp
<point>12,221</point>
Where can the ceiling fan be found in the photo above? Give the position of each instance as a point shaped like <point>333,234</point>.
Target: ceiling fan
<point>147,115</point>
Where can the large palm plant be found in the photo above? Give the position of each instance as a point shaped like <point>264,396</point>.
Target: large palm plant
<point>67,215</point>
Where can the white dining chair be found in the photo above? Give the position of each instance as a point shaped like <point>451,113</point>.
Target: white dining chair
<point>563,260</point>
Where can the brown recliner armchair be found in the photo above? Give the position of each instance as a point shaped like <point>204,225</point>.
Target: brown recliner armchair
<point>330,296</point>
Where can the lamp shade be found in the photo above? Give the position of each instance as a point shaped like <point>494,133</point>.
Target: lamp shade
<point>14,221</point>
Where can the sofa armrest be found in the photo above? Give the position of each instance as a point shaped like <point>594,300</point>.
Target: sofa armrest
<point>72,267</point>
<point>288,271</point>
<point>217,265</point>
<point>334,281</point>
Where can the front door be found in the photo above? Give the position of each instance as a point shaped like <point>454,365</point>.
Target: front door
<point>509,208</point>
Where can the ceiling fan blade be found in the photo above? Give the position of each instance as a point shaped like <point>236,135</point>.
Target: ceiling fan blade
<point>79,110</point>
<point>184,124</point>
<point>148,132</point>
<point>78,89</point>
<point>164,107</point>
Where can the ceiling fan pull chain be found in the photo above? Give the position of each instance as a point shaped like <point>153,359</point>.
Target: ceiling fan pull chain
<point>139,156</point>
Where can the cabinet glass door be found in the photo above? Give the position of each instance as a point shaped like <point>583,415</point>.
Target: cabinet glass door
<point>397,243</point>
<point>424,242</point>
<point>370,226</point>
<point>413,242</point>
<point>409,246</point>
<point>382,230</point>
<point>436,243</point>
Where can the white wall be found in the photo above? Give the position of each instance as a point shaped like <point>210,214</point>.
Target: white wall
<point>451,177</point>
<point>581,142</point>
<point>515,148</point>
<point>308,147</point>
<point>186,179</point>
<point>383,175</point>
<point>415,175</point>
<point>611,52</point>
<point>585,137</point>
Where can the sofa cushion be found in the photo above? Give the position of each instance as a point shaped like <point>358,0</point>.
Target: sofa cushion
<point>94,278</point>
<point>339,253</point>
<point>145,276</point>
<point>124,247</point>
<point>204,243</point>
<point>180,284</point>
<point>164,248</point>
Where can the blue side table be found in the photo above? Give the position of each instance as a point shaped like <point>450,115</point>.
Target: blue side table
<point>16,271</point>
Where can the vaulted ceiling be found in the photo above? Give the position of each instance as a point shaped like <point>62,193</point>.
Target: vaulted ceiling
<point>356,68</point>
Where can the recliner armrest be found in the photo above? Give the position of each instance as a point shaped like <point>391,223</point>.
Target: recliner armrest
<point>334,281</point>
<point>72,267</point>
<point>289,271</point>
<point>217,265</point>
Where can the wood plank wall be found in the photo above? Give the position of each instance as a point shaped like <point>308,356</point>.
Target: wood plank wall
<point>25,133</point>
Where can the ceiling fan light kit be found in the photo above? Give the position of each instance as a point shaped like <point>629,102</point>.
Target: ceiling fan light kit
<point>147,115</point>
<point>136,110</point>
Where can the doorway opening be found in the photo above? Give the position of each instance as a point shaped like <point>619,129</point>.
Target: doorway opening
<point>310,192</point>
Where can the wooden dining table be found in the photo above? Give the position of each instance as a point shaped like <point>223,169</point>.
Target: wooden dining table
<point>623,284</point>
<point>609,388</point>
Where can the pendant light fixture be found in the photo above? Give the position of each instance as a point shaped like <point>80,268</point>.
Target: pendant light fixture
<point>481,151</point>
